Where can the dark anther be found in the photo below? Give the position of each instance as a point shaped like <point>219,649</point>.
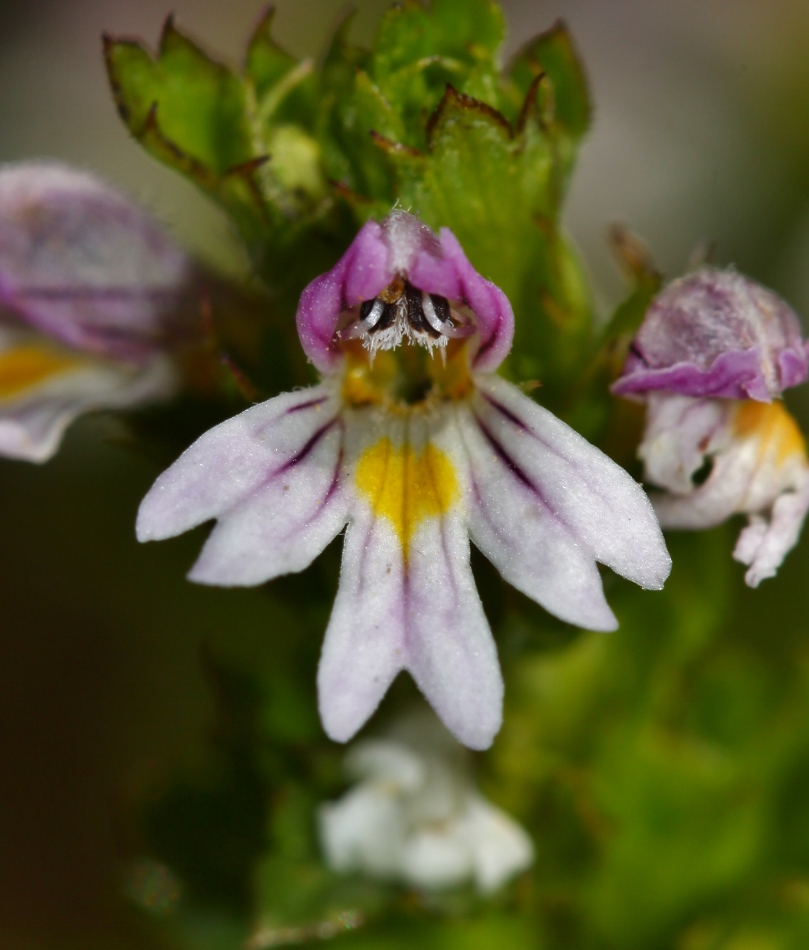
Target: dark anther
<point>387,318</point>
<point>415,312</point>
<point>366,307</point>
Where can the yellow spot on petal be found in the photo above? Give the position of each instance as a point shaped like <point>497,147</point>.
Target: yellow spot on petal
<point>773,425</point>
<point>407,487</point>
<point>25,367</point>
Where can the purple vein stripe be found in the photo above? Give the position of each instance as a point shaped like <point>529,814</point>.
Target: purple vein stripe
<point>504,411</point>
<point>505,458</point>
<point>307,405</point>
<point>307,448</point>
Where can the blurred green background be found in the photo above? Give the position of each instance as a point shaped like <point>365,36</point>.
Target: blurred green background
<point>701,133</point>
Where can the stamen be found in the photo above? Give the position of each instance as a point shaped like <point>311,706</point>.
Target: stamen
<point>370,312</point>
<point>402,311</point>
<point>415,313</point>
<point>436,310</point>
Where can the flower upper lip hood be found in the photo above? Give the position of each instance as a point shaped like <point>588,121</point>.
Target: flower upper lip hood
<point>402,246</point>
<point>716,333</point>
<point>85,265</point>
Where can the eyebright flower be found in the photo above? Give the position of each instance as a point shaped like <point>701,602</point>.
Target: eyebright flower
<point>717,334</point>
<point>415,816</point>
<point>415,444</point>
<point>93,296</point>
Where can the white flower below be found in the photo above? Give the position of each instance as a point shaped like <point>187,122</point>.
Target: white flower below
<point>416,817</point>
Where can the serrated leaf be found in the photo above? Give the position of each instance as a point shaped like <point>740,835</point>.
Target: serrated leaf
<point>419,50</point>
<point>553,54</point>
<point>198,104</point>
<point>496,192</point>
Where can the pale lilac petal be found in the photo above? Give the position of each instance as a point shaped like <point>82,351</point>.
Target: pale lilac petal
<point>419,613</point>
<point>532,548</point>
<point>452,276</point>
<point>408,238</point>
<point>33,420</point>
<point>366,640</point>
<point>545,505</point>
<point>716,333</point>
<point>360,274</point>
<point>272,476</point>
<point>86,265</point>
<point>285,522</point>
<point>450,650</point>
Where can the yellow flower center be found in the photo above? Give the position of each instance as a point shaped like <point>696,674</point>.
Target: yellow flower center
<point>25,367</point>
<point>407,487</point>
<point>407,377</point>
<point>773,425</point>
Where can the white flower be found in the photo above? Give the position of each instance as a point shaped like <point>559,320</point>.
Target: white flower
<point>416,817</point>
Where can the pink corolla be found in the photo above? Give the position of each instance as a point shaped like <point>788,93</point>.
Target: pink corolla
<point>94,297</point>
<point>414,445</point>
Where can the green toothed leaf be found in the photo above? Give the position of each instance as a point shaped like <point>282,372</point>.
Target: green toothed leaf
<point>197,104</point>
<point>496,189</point>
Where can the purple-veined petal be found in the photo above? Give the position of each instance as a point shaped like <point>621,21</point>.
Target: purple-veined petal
<point>86,265</point>
<point>545,505</point>
<point>360,274</point>
<point>365,644</point>
<point>45,387</point>
<point>451,652</point>
<point>272,478</point>
<point>533,549</point>
<point>408,601</point>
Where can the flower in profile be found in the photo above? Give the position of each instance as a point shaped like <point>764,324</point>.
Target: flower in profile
<point>415,816</point>
<point>414,443</point>
<point>713,355</point>
<point>93,297</point>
